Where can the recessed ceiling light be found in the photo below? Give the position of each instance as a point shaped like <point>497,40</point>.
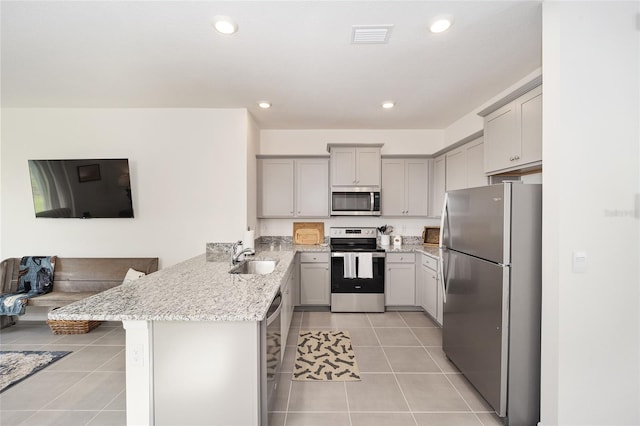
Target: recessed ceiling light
<point>440,24</point>
<point>388,104</point>
<point>264,104</point>
<point>224,25</point>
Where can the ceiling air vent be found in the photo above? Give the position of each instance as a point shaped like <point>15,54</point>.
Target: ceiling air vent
<point>370,34</point>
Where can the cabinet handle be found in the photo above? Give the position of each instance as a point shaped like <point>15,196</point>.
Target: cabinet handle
<point>517,157</point>
<point>510,158</point>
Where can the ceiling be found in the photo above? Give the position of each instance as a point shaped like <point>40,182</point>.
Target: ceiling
<point>296,54</point>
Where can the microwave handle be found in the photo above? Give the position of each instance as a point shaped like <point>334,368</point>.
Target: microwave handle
<point>372,201</point>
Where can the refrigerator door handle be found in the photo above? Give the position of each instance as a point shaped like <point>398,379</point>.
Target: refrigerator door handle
<point>444,220</point>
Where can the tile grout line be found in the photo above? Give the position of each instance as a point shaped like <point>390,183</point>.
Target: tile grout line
<point>415,421</point>
<point>445,376</point>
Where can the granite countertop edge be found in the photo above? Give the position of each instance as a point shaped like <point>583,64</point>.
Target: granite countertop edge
<point>207,292</point>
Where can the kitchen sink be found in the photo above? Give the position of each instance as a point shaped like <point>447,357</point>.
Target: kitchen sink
<point>255,266</point>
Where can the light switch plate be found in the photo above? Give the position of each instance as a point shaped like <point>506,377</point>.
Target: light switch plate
<point>579,264</point>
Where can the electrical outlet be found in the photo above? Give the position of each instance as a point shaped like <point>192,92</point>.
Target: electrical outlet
<point>137,355</point>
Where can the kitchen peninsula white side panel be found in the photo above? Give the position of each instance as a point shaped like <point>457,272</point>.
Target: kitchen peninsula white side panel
<point>139,377</point>
<point>206,373</point>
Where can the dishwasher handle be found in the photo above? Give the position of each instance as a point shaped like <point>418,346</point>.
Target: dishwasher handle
<point>273,314</point>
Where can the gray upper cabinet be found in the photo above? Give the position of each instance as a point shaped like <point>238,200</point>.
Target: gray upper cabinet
<point>513,134</point>
<point>355,166</point>
<point>465,166</point>
<point>312,187</point>
<point>275,187</point>
<point>293,187</point>
<point>439,185</point>
<point>405,185</point>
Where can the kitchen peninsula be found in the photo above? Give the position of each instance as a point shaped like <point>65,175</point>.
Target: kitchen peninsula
<point>192,340</point>
<point>193,337</point>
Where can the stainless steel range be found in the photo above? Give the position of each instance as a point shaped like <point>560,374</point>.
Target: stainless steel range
<point>357,271</point>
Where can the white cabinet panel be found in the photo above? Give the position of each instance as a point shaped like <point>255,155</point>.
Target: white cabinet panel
<point>392,193</point>
<point>312,187</point>
<point>276,188</point>
<point>438,188</point>
<point>314,284</point>
<point>465,166</point>
<point>293,187</point>
<point>456,171</point>
<point>368,166</point>
<point>417,184</point>
<point>355,166</point>
<point>400,280</point>
<point>475,164</point>
<point>513,134</point>
<point>531,127</point>
<point>405,187</point>
<point>500,130</point>
<point>343,166</point>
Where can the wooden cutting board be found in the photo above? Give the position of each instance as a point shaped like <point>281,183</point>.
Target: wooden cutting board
<point>308,232</point>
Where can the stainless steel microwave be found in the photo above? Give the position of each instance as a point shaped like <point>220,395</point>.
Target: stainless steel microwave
<point>355,202</point>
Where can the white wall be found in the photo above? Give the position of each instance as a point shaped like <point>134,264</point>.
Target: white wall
<point>183,163</point>
<point>314,142</point>
<point>471,123</point>
<point>591,156</point>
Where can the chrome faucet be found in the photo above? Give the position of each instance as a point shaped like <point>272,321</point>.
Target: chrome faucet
<point>235,256</point>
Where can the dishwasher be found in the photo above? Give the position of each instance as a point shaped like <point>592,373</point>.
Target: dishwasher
<point>271,346</point>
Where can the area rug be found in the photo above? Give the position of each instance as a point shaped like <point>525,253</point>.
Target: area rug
<point>325,355</point>
<point>16,366</point>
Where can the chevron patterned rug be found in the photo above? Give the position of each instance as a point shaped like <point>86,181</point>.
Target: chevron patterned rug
<point>325,355</point>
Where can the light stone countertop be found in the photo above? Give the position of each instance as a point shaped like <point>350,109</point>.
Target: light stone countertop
<point>413,248</point>
<point>197,290</point>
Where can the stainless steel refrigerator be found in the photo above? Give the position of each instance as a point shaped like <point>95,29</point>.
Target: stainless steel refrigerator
<point>490,253</point>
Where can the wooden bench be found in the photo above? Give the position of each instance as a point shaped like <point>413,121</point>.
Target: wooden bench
<point>75,278</point>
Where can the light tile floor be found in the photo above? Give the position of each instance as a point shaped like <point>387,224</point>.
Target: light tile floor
<point>86,387</point>
<point>406,379</point>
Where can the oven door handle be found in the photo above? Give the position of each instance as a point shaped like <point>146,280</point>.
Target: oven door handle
<point>338,254</point>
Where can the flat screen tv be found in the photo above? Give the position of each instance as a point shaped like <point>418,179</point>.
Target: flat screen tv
<point>91,188</point>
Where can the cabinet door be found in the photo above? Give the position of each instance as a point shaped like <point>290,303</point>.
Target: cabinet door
<point>368,166</point>
<point>431,292</point>
<point>276,192</point>
<point>312,188</point>
<point>421,283</point>
<point>500,132</point>
<point>456,171</point>
<point>438,187</point>
<point>530,106</point>
<point>400,284</point>
<point>475,164</point>
<point>393,187</point>
<point>343,166</point>
<point>314,284</point>
<point>287,312</point>
<point>416,192</point>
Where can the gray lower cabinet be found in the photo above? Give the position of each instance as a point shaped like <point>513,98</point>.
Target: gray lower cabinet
<point>315,287</point>
<point>400,279</point>
<point>430,297</point>
<point>287,290</point>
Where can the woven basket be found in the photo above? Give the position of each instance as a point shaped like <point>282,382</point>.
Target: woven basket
<point>72,327</point>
